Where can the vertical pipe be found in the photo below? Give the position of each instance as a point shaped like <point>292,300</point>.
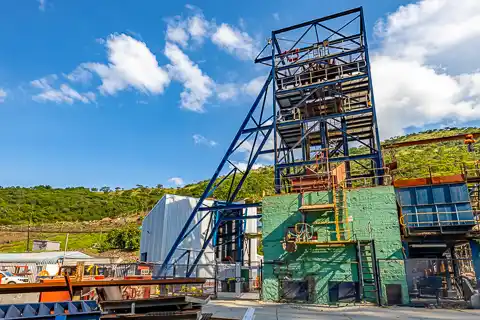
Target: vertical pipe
<point>278,187</point>
<point>239,233</point>
<point>304,145</point>
<point>214,240</point>
<point>379,158</point>
<point>346,152</point>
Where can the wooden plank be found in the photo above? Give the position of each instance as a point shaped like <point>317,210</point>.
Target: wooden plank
<point>323,206</point>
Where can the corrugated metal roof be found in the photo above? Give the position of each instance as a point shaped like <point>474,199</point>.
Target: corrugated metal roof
<point>42,257</point>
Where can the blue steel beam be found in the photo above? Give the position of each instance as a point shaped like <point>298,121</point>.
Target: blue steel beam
<point>207,191</point>
<point>257,129</point>
<point>330,17</point>
<point>339,159</point>
<point>326,58</point>
<point>232,206</point>
<point>331,116</point>
<point>258,216</point>
<point>332,42</point>
<point>379,160</point>
<point>324,84</point>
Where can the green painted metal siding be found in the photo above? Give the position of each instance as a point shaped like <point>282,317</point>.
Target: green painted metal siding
<point>373,213</point>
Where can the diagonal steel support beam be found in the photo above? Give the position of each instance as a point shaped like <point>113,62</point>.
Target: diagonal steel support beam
<point>212,181</point>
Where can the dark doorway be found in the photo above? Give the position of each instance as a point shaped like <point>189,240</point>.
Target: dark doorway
<point>394,294</point>
<point>295,290</point>
<point>343,291</point>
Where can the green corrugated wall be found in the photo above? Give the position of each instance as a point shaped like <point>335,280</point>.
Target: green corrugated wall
<point>373,213</point>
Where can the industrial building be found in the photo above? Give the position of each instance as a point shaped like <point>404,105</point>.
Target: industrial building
<point>164,223</point>
<point>343,226</point>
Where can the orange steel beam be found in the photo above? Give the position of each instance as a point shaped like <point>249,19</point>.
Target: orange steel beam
<point>428,141</point>
<point>74,285</point>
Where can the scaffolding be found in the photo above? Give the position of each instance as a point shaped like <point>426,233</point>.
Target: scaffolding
<point>324,101</point>
<point>323,111</point>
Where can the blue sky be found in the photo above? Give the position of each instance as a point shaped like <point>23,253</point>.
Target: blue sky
<point>81,108</point>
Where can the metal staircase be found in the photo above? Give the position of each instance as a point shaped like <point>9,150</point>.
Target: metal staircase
<point>368,273</point>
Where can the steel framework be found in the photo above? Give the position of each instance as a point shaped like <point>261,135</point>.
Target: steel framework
<point>321,116</point>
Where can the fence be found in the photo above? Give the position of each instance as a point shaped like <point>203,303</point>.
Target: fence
<point>223,280</point>
<point>440,279</point>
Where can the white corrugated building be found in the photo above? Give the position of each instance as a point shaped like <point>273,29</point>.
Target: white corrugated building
<point>162,225</point>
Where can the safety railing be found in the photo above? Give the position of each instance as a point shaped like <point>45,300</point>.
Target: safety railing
<point>331,102</point>
<point>321,74</point>
<point>322,50</point>
<point>470,171</point>
<point>428,220</point>
<point>351,179</point>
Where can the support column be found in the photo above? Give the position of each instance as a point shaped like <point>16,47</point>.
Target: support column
<point>475,248</point>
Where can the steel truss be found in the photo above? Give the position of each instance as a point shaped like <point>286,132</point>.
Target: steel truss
<point>326,108</point>
<point>323,116</point>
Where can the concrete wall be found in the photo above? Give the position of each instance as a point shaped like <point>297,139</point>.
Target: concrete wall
<point>373,215</point>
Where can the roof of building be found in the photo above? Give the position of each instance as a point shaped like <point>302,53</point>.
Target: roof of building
<point>43,257</point>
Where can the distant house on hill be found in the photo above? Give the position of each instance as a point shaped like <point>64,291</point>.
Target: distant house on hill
<point>46,245</point>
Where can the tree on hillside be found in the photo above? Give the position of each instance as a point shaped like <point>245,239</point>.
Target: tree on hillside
<point>105,189</point>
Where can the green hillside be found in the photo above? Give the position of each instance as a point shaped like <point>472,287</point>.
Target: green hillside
<point>43,204</point>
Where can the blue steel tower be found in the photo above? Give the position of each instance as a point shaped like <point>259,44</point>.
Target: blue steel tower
<point>322,122</point>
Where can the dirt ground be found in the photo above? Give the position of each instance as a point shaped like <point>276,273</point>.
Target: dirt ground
<point>235,309</point>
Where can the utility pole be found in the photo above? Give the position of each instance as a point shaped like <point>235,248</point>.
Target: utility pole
<point>65,248</point>
<point>28,237</point>
<point>28,231</point>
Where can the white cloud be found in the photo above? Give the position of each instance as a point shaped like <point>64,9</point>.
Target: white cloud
<point>131,64</point>
<point>243,165</point>
<point>65,94</point>
<point>199,139</point>
<point>429,27</point>
<point>253,87</point>
<point>42,4</point>
<point>231,91</point>
<point>80,74</point>
<point>227,91</point>
<point>247,146</point>
<point>234,41</point>
<point>176,181</point>
<point>198,27</point>
<point>3,95</point>
<point>44,83</point>
<point>195,27</point>
<point>276,16</point>
<point>198,87</point>
<point>176,33</point>
<point>416,81</point>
